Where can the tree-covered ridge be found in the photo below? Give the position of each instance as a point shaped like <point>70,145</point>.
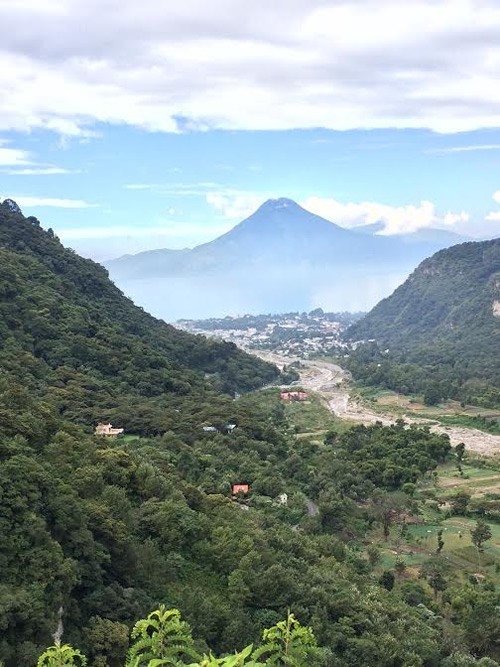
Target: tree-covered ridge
<point>440,330</point>
<point>69,334</point>
<point>106,531</point>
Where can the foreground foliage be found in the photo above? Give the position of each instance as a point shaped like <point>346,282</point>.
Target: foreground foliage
<point>164,639</point>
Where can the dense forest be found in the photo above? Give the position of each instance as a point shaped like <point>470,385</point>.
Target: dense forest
<point>70,336</point>
<point>99,532</point>
<point>438,334</point>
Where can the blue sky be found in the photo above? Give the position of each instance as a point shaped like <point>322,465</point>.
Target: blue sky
<point>163,126</point>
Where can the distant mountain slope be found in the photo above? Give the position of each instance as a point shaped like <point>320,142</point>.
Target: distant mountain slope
<point>425,235</point>
<point>446,318</point>
<point>280,258</point>
<point>68,334</point>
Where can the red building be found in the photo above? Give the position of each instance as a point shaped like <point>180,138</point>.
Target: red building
<point>293,396</point>
<point>240,488</point>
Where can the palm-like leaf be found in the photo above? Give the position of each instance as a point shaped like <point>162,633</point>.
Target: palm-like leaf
<point>61,655</point>
<point>161,639</point>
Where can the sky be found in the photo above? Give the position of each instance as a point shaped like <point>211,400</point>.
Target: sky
<point>130,125</point>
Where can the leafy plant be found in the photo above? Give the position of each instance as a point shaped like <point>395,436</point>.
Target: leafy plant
<point>237,660</point>
<point>161,639</point>
<point>61,655</point>
<point>289,644</point>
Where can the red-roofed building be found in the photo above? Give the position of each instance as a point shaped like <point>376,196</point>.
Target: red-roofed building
<point>293,396</point>
<point>240,488</point>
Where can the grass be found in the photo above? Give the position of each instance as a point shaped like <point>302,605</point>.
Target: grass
<point>481,422</point>
<point>448,413</point>
<point>312,418</point>
<point>475,480</point>
<point>420,544</point>
<point>130,437</point>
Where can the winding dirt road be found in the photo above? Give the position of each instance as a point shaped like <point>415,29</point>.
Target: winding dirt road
<point>333,384</point>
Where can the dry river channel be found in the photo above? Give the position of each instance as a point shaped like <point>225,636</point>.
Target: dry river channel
<point>333,385</point>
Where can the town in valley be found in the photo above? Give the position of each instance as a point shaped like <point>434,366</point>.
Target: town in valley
<point>303,335</point>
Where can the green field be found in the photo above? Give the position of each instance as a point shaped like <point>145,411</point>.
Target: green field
<point>475,480</point>
<point>448,413</point>
<point>312,419</point>
<point>420,541</point>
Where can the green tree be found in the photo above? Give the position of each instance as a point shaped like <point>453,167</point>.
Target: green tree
<point>387,580</point>
<point>459,453</point>
<point>459,503</point>
<point>373,553</point>
<point>480,534</point>
<point>440,541</point>
<point>432,395</point>
<point>387,508</point>
<point>107,641</point>
<point>399,567</point>
<point>433,571</point>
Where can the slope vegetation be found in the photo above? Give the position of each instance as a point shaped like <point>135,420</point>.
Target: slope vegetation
<point>441,328</point>
<point>71,336</point>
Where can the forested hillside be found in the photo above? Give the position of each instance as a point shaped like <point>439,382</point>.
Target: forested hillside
<point>439,332</point>
<point>96,533</point>
<point>107,531</point>
<point>70,336</point>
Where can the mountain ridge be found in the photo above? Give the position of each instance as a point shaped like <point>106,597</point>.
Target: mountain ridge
<point>69,333</point>
<point>441,327</point>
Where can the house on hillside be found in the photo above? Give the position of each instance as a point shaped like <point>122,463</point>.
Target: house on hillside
<point>228,428</point>
<point>108,431</point>
<point>293,396</point>
<point>240,488</point>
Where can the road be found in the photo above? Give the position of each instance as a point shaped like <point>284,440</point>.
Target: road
<point>333,384</point>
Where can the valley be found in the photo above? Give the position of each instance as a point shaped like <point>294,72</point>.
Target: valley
<point>250,334</point>
<point>345,504</point>
<point>336,389</point>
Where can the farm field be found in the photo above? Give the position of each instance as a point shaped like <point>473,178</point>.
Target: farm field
<point>415,544</point>
<point>448,413</point>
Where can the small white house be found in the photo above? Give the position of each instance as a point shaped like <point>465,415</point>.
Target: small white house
<point>108,431</point>
<point>283,499</point>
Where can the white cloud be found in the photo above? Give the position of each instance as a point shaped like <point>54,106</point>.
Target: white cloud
<point>494,216</point>
<point>236,205</point>
<point>53,202</point>
<point>231,64</point>
<point>39,171</point>
<point>467,149</point>
<point>112,241</point>
<point>13,156</point>
<point>21,162</point>
<point>397,219</point>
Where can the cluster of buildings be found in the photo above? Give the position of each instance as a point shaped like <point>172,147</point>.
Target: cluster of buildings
<point>301,335</point>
